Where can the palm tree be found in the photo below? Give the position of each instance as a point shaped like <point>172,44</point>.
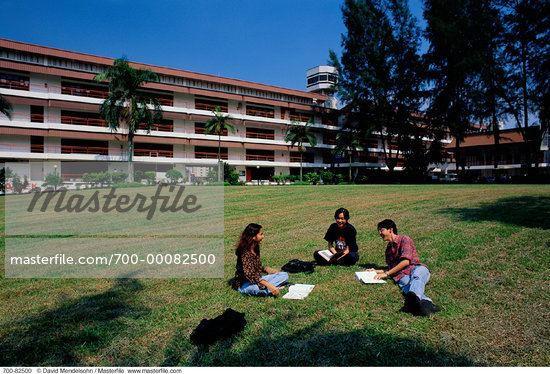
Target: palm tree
<point>217,126</point>
<point>347,141</point>
<point>125,104</point>
<point>296,134</point>
<point>5,107</point>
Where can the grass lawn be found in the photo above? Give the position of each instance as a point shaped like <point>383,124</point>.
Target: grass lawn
<point>487,247</point>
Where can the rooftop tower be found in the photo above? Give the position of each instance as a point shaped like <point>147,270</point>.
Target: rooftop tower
<point>320,79</point>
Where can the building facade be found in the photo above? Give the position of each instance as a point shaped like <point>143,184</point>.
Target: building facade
<point>55,120</point>
<point>56,125</point>
<point>483,160</point>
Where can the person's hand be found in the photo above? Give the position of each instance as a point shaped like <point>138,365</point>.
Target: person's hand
<point>380,275</point>
<point>338,255</point>
<point>274,291</point>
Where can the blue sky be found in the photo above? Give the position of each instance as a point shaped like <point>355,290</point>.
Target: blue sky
<point>271,42</point>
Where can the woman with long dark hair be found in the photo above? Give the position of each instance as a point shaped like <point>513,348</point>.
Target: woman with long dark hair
<point>248,275</point>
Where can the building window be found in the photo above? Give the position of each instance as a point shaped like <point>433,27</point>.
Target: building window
<point>210,105</point>
<point>259,155</point>
<point>14,82</point>
<point>37,113</point>
<point>153,150</point>
<point>37,144</point>
<point>258,111</point>
<point>82,89</point>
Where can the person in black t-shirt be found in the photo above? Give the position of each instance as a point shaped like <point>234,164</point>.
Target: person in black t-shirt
<point>341,238</point>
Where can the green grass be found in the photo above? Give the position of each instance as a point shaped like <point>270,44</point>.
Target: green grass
<point>487,247</point>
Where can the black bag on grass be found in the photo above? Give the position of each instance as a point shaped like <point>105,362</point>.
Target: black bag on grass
<point>297,266</point>
<point>221,327</point>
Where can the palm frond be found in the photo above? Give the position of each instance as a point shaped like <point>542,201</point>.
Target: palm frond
<point>5,107</point>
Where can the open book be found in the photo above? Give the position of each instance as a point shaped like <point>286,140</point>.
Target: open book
<point>298,291</point>
<point>367,277</point>
<point>326,254</point>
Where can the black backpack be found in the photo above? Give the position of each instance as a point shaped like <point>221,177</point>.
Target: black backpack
<point>221,327</point>
<point>297,266</point>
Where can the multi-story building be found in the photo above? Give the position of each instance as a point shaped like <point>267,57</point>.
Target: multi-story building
<point>55,121</point>
<point>483,160</point>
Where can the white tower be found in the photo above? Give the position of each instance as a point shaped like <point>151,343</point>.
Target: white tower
<point>320,79</point>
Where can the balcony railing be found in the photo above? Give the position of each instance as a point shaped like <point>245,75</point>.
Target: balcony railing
<point>76,91</point>
<point>14,85</point>
<point>260,158</point>
<point>211,107</point>
<point>117,152</point>
<point>153,153</point>
<point>261,135</point>
<point>211,155</point>
<point>69,120</point>
<point>260,113</point>
<point>102,94</point>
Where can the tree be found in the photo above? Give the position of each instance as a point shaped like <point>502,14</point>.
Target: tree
<point>488,96</point>
<point>296,134</point>
<point>218,125</point>
<point>380,78</point>
<point>5,107</point>
<point>53,180</point>
<point>452,31</point>
<point>347,141</point>
<point>526,37</point>
<point>126,105</point>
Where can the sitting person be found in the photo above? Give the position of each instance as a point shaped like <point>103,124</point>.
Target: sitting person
<point>248,275</point>
<point>341,238</point>
<point>405,268</point>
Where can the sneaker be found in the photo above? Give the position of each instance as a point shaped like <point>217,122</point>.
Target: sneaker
<point>426,307</point>
<point>412,303</point>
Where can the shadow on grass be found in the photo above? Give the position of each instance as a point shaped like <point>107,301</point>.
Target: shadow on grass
<point>527,211</point>
<point>309,347</point>
<point>59,337</point>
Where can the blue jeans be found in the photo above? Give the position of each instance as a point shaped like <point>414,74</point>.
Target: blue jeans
<point>276,279</point>
<point>416,282</point>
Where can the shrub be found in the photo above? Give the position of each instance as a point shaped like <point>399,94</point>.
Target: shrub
<point>300,183</point>
<point>119,176</point>
<point>278,178</point>
<point>174,175</point>
<point>52,179</point>
<point>128,184</point>
<point>104,177</point>
<point>212,176</point>
<point>337,178</point>
<point>138,175</point>
<point>150,176</point>
<point>326,176</point>
<point>233,178</point>
<point>312,177</point>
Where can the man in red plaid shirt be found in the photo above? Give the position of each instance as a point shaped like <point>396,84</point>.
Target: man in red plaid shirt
<point>405,268</point>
